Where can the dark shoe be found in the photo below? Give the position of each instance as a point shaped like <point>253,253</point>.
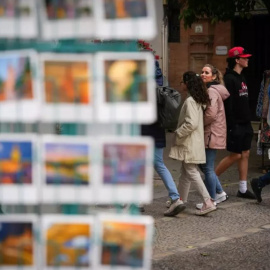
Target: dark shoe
<point>142,209</point>
<point>176,207</point>
<point>256,189</point>
<point>246,195</point>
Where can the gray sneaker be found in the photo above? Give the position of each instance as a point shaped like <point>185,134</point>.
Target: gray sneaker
<point>176,207</point>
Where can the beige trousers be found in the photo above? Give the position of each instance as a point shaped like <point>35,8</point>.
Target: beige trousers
<point>190,174</point>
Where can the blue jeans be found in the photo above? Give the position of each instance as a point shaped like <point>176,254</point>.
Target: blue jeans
<point>264,180</point>
<point>165,175</point>
<point>211,180</point>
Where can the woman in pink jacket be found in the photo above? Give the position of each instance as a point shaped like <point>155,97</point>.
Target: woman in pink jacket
<point>214,130</point>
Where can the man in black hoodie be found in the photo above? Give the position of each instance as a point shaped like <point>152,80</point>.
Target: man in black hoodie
<point>239,129</point>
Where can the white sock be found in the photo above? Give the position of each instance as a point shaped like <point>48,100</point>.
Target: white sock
<point>242,186</point>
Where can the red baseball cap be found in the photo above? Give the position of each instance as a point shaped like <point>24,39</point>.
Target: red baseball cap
<point>238,52</point>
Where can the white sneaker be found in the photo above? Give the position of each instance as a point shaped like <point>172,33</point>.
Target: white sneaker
<point>221,197</point>
<point>200,205</point>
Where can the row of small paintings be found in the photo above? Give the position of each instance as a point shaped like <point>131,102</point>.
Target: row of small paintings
<point>104,87</point>
<point>65,19</point>
<point>66,169</point>
<point>49,242</point>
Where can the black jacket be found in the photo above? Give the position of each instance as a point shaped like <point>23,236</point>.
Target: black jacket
<point>237,105</point>
<point>156,132</point>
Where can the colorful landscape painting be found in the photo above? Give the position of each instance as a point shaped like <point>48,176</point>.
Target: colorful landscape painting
<point>16,244</point>
<point>124,164</point>
<point>123,9</point>
<point>68,244</point>
<point>66,82</point>
<point>15,162</point>
<point>68,9</point>
<point>15,78</point>
<point>67,164</point>
<point>14,9</point>
<point>123,244</point>
<point>126,80</point>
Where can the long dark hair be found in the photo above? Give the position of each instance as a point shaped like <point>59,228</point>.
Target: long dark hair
<point>196,87</point>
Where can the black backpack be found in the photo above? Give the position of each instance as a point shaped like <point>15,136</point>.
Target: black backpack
<point>168,106</point>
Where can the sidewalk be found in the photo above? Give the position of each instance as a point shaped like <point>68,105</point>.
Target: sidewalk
<point>191,242</point>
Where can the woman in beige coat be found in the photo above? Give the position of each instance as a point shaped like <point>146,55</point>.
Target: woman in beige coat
<point>189,145</point>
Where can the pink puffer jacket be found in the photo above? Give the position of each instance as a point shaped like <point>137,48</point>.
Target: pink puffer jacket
<point>215,129</point>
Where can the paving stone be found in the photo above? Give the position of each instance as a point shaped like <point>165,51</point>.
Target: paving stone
<point>233,237</point>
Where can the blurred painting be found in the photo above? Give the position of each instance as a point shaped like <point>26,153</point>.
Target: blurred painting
<point>67,164</point>
<point>15,8</point>
<point>68,244</point>
<point>68,9</point>
<point>126,80</point>
<point>123,9</point>
<point>16,162</point>
<point>15,78</point>
<point>16,244</point>
<point>124,163</point>
<point>66,82</point>
<point>123,243</point>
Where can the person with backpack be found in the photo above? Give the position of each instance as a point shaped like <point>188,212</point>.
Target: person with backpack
<point>214,130</point>
<point>158,134</point>
<point>188,145</point>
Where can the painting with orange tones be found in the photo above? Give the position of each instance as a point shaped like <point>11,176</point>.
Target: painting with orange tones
<point>66,82</point>
<point>16,159</point>
<point>68,9</point>
<point>125,87</point>
<point>124,163</point>
<point>67,163</point>
<point>122,9</point>
<point>123,243</point>
<point>15,78</point>
<point>67,241</point>
<point>126,80</point>
<point>16,244</point>
<point>68,244</point>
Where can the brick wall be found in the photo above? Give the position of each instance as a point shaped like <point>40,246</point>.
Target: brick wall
<point>191,55</point>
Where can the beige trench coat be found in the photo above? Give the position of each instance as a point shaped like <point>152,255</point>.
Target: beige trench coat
<point>188,144</point>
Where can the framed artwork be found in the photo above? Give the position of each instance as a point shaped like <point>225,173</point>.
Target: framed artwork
<point>125,242</point>
<point>126,172</point>
<point>19,91</point>
<point>125,87</point>
<point>67,242</point>
<point>19,169</point>
<point>66,87</point>
<point>67,169</point>
<point>18,19</point>
<point>64,19</point>
<point>125,19</point>
<point>18,248</point>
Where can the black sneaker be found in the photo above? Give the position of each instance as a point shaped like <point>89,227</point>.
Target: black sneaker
<point>246,195</point>
<point>256,189</point>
